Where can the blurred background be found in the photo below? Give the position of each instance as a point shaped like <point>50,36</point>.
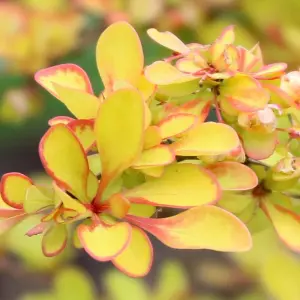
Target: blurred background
<point>35,34</point>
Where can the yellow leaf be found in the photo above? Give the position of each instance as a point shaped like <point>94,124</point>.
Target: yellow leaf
<point>69,202</point>
<point>176,124</point>
<point>13,189</point>
<point>168,40</point>
<point>118,206</point>
<point>146,88</point>
<point>271,71</point>
<point>81,104</point>
<point>181,185</point>
<point>94,164</point>
<point>244,93</point>
<point>172,281</point>
<point>285,221</point>
<point>160,155</point>
<point>163,73</point>
<point>84,130</point>
<point>119,55</point>
<point>153,171</point>
<point>116,127</point>
<point>38,198</point>
<point>152,137</point>
<point>141,210</point>
<point>137,289</point>
<point>136,260</point>
<point>204,227</point>
<point>259,145</point>
<point>64,160</point>
<point>207,139</point>
<point>234,176</point>
<point>187,65</point>
<point>104,242</point>
<point>67,75</point>
<point>279,274</point>
<point>54,240</point>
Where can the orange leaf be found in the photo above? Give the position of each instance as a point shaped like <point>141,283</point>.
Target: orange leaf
<point>118,205</point>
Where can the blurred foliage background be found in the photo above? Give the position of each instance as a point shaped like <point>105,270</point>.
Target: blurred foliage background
<point>38,33</point>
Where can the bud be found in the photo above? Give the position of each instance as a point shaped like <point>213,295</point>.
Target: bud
<point>263,120</point>
<point>290,84</point>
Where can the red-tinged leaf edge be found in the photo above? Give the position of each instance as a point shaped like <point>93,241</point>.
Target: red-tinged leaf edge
<point>63,67</point>
<point>60,250</point>
<point>2,188</point>
<point>90,228</point>
<point>60,183</point>
<point>150,265</point>
<point>82,122</point>
<point>168,118</point>
<point>60,120</point>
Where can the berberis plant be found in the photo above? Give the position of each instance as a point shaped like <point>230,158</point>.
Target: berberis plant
<point>145,142</point>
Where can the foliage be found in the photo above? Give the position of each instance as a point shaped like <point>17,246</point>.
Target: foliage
<point>172,283</point>
<point>145,142</point>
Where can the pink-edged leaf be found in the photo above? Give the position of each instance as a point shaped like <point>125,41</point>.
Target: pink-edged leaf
<point>234,176</point>
<point>271,71</point>
<point>103,242</point>
<point>181,185</point>
<point>68,75</point>
<point>259,145</point>
<point>285,219</point>
<point>38,229</point>
<point>136,260</point>
<point>84,130</point>
<point>176,124</point>
<point>60,120</point>
<point>204,227</point>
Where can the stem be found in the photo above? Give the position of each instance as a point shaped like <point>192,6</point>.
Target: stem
<point>171,58</point>
<point>217,107</point>
<point>102,185</point>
